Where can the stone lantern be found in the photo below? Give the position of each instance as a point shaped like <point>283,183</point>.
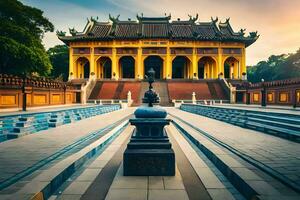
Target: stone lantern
<point>149,152</point>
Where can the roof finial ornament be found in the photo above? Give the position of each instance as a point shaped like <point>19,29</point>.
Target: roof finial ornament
<point>193,19</point>
<point>214,20</point>
<point>73,31</point>
<point>242,32</point>
<point>60,33</point>
<point>168,16</point>
<point>94,19</point>
<point>227,20</point>
<point>113,19</point>
<point>139,17</point>
<point>253,34</point>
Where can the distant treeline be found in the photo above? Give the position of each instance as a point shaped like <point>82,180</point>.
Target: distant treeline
<point>21,50</point>
<point>277,67</point>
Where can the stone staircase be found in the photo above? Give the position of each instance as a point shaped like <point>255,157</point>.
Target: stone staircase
<point>212,90</point>
<point>96,89</point>
<point>119,90</point>
<point>162,90</point>
<point>144,88</point>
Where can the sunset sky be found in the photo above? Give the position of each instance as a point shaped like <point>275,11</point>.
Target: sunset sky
<point>277,21</point>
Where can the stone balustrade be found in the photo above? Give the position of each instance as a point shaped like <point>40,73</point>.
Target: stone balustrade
<point>20,125</point>
<point>279,124</point>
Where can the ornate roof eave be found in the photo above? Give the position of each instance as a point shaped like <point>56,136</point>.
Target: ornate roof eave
<point>68,39</point>
<point>250,40</point>
<point>247,41</point>
<point>89,34</point>
<point>228,26</point>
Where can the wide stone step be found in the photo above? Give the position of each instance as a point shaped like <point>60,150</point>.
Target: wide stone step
<point>16,126</point>
<point>275,118</point>
<point>286,128</point>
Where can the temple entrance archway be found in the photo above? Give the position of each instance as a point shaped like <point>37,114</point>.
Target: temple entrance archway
<point>82,67</point>
<point>127,67</point>
<point>156,63</point>
<point>181,67</point>
<point>231,68</point>
<point>207,68</point>
<point>104,68</point>
<point>226,70</point>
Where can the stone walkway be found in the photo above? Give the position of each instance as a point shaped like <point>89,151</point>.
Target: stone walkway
<point>277,153</point>
<point>122,187</point>
<point>19,154</point>
<point>147,187</point>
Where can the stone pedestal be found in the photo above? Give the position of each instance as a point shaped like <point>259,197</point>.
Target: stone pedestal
<point>149,152</point>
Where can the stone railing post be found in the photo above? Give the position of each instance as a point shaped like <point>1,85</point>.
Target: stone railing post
<point>194,101</point>
<point>232,94</point>
<point>129,99</point>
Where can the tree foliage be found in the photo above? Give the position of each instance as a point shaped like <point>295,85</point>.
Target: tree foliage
<point>22,29</point>
<point>59,57</point>
<point>277,67</point>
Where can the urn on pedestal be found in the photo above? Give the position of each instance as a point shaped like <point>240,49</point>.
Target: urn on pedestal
<point>149,152</point>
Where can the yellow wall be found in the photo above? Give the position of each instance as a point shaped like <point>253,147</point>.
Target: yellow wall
<point>10,98</point>
<point>212,69</point>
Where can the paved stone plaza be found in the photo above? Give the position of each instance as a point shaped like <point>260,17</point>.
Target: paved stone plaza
<point>214,160</point>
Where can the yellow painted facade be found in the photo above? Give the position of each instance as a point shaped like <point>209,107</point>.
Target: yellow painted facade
<point>213,67</point>
<point>13,98</point>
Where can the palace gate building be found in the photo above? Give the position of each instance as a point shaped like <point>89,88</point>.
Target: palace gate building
<point>177,50</point>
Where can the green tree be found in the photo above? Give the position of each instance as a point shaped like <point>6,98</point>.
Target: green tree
<point>277,67</point>
<point>22,29</point>
<point>59,57</point>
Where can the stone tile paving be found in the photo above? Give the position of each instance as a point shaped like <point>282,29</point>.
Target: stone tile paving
<point>213,180</point>
<point>91,169</point>
<point>214,191</point>
<point>41,181</point>
<point>250,180</point>
<point>147,187</point>
<point>279,154</point>
<point>19,154</point>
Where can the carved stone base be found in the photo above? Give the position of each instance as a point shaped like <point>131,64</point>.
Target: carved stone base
<point>149,162</point>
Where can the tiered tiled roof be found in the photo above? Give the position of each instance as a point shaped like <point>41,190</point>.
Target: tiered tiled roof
<point>277,83</point>
<point>159,28</point>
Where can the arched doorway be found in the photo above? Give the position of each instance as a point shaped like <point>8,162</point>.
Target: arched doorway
<point>226,70</point>
<point>82,67</point>
<point>104,68</point>
<point>231,68</point>
<point>207,68</point>
<point>181,67</point>
<point>156,63</point>
<point>127,67</point>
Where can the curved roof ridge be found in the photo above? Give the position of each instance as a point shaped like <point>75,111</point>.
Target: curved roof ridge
<point>154,19</point>
<point>160,27</point>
